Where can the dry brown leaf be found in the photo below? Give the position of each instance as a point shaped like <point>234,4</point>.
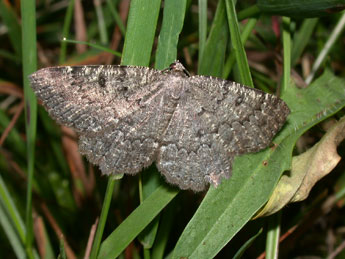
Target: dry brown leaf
<point>307,169</point>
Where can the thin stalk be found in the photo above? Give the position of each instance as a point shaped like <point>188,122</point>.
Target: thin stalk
<point>104,215</point>
<point>65,30</point>
<point>334,36</point>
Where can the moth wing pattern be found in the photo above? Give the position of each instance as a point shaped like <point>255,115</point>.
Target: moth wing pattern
<point>127,117</point>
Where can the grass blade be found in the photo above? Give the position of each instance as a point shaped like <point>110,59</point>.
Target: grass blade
<point>104,214</point>
<point>101,23</point>
<point>173,19</point>
<point>65,30</point>
<point>301,39</point>
<point>237,46</point>
<point>116,17</point>
<point>141,28</point>
<point>29,51</point>
<point>136,222</point>
<point>212,59</point>
<point>11,234</point>
<point>202,26</point>
<point>248,28</point>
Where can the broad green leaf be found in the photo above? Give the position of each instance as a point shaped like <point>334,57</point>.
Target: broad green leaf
<point>225,210</point>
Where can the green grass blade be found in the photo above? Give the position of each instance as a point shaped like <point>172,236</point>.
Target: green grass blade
<point>301,39</point>
<point>273,234</point>
<point>141,28</point>
<point>172,24</point>
<point>116,17</point>
<point>249,12</point>
<point>96,46</point>
<point>29,51</point>
<point>104,214</point>
<point>101,23</point>
<point>272,241</point>
<point>202,26</point>
<point>225,210</point>
<point>12,211</point>
<point>12,223</point>
<point>11,234</point>
<point>136,222</point>
<point>246,245</point>
<point>212,59</point>
<point>248,28</point>
<point>167,220</point>
<point>65,30</point>
<point>137,51</point>
<point>173,19</point>
<point>237,46</point>
<point>151,180</point>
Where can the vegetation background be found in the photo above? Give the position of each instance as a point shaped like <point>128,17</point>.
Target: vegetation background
<point>53,203</point>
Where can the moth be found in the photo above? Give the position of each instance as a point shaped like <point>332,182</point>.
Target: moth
<point>128,117</point>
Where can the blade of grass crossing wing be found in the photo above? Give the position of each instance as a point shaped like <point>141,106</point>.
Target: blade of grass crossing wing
<point>172,24</point>
<point>29,51</point>
<point>140,33</point>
